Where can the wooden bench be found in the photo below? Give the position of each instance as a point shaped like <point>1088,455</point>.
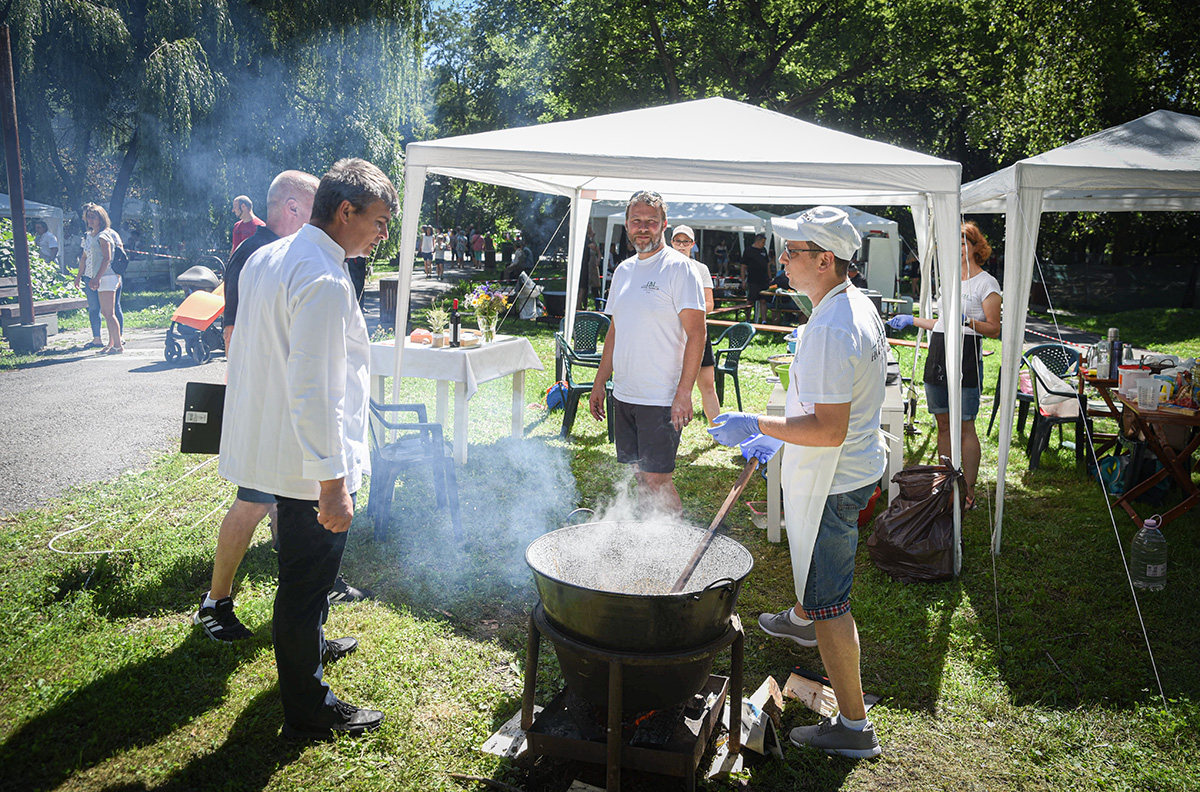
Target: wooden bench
<point>48,309</point>
<point>762,328</point>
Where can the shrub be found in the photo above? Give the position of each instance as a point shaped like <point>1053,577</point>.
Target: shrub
<point>48,283</point>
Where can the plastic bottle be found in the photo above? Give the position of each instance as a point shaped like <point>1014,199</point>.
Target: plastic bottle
<point>1148,556</point>
<point>455,325</point>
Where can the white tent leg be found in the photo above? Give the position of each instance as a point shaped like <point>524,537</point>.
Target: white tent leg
<point>581,212</point>
<point>410,215</point>
<point>948,242</point>
<point>1020,241</point>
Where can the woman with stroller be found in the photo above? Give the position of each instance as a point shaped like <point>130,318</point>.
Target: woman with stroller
<point>104,286</point>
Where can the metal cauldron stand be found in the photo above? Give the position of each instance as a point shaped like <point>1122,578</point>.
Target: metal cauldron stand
<point>619,754</point>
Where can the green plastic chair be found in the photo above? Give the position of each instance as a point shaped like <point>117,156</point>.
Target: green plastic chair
<point>738,337</point>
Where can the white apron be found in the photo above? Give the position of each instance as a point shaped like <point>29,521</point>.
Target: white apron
<point>805,474</point>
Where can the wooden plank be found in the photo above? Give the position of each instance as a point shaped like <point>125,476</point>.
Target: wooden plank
<point>900,342</point>
<point>762,328</point>
<point>728,308</point>
<point>45,307</point>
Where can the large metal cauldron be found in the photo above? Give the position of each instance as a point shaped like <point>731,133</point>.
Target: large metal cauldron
<point>607,584</point>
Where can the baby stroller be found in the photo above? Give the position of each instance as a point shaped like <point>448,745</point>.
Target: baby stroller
<point>194,322</point>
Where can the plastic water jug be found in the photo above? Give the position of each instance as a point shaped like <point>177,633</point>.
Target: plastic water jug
<point>1148,556</point>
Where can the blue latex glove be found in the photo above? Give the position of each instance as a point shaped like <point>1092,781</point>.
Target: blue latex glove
<point>762,447</point>
<point>734,427</point>
<point>900,321</point>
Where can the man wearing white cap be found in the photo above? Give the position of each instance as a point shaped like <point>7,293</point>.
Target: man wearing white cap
<point>833,456</point>
<point>683,239</point>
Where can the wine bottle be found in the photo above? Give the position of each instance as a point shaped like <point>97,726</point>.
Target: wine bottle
<point>455,325</point>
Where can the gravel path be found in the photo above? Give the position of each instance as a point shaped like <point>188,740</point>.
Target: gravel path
<point>75,418</point>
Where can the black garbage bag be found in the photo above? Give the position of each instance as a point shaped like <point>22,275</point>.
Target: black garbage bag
<point>913,540</point>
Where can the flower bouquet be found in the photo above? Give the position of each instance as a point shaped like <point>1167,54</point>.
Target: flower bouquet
<point>488,301</point>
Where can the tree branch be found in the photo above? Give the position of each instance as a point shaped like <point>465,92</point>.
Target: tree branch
<point>664,57</point>
<point>775,57</point>
<point>854,72</point>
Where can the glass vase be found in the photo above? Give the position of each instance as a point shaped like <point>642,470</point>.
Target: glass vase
<point>487,328</point>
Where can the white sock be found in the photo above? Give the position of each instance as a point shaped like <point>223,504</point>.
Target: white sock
<point>209,602</point>
<point>794,619</point>
<point>853,725</point>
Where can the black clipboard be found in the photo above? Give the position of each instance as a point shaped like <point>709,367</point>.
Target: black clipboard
<point>203,408</point>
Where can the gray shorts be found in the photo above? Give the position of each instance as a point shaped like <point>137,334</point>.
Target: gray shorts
<point>645,436</point>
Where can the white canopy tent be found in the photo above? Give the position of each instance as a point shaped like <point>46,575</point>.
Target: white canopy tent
<point>754,156</point>
<point>883,265</point>
<point>1149,164</point>
<point>700,216</point>
<point>52,215</point>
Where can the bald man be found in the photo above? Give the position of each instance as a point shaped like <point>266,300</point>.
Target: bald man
<point>289,206</point>
<point>247,224</point>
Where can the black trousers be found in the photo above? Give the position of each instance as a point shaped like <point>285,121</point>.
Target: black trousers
<point>309,560</point>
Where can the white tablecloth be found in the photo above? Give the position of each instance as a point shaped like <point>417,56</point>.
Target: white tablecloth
<point>467,368</point>
<point>472,366</point>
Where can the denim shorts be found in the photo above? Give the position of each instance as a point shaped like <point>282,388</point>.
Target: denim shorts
<point>831,572</point>
<point>254,496</point>
<point>937,401</point>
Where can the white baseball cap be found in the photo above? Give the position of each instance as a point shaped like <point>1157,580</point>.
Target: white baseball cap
<point>685,230</point>
<point>824,226</point>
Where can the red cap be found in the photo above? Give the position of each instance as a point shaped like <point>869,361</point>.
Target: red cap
<point>456,305</point>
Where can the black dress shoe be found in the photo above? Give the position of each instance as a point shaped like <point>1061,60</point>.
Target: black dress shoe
<point>338,648</point>
<point>341,718</point>
<point>343,592</point>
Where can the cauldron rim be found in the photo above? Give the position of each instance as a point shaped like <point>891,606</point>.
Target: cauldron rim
<point>686,594</point>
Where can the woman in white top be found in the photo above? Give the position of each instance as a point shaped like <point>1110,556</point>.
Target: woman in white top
<point>981,317</point>
<point>98,246</point>
<point>683,240</point>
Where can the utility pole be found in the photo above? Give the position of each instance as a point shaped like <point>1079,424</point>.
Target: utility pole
<point>27,336</point>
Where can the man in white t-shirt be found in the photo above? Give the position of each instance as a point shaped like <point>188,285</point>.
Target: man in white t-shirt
<point>833,457</point>
<point>657,301</point>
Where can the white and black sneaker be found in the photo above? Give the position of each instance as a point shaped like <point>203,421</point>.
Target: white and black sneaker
<point>219,621</point>
<point>343,592</point>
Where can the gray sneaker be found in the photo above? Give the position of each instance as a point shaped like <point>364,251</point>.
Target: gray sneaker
<point>780,625</point>
<point>834,738</point>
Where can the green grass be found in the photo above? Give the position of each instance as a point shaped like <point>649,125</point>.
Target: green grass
<point>143,309</point>
<point>1027,672</point>
<point>1171,330</point>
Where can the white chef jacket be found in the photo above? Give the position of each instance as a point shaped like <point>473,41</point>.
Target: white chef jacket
<point>296,402</point>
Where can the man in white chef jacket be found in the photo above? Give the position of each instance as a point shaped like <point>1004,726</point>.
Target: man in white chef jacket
<point>833,456</point>
<point>295,423</point>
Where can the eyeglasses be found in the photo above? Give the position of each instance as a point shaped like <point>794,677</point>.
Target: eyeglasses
<point>790,251</point>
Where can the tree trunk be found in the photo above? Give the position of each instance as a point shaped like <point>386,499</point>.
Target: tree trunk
<point>1189,293</point>
<point>670,79</point>
<point>121,186</point>
<point>462,204</point>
